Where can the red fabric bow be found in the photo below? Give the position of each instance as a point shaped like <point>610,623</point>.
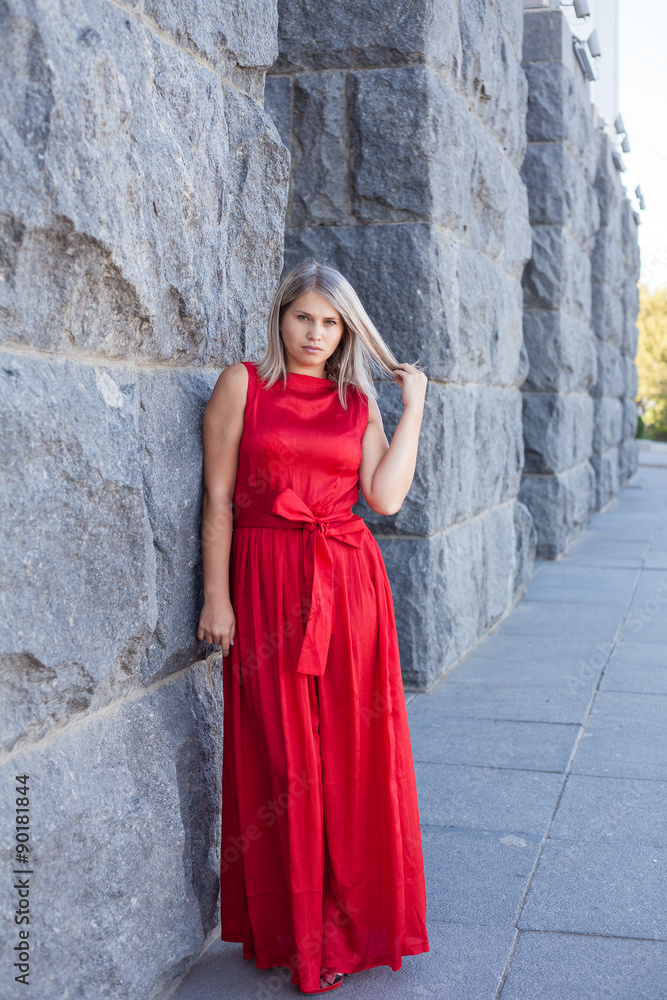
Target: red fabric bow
<point>289,511</point>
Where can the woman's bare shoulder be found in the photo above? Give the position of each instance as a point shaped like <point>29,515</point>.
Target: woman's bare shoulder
<point>231,389</point>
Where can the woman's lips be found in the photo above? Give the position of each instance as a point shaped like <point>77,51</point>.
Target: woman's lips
<point>313,350</point>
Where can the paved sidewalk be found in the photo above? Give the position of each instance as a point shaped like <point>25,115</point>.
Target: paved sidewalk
<point>541,764</point>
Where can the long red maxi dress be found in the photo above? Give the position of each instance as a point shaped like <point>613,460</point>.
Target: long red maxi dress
<point>321,856</point>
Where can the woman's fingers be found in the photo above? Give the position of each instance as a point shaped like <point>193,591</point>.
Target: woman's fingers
<point>216,638</point>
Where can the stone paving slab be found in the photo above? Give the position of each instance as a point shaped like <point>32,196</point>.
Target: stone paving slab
<point>598,888</point>
<point>541,767</point>
<point>637,675</point>
<point>586,967</point>
<point>487,798</point>
<point>555,702</point>
<point>618,752</point>
<point>612,810</point>
<point>572,673</point>
<point>477,876</point>
<point>538,618</point>
<point>534,746</point>
<point>633,652</point>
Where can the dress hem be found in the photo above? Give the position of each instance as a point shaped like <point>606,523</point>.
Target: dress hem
<point>417,949</point>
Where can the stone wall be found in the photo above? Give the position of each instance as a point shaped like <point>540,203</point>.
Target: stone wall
<point>559,170</point>
<point>142,202</point>
<point>615,270</point>
<point>407,132</point>
<point>580,298</point>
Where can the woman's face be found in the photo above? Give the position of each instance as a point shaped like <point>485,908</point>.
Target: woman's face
<point>311,329</point>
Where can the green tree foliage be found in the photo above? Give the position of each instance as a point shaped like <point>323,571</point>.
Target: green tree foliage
<point>652,359</point>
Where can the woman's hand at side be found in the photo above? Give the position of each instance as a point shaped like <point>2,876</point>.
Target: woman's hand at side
<point>217,625</point>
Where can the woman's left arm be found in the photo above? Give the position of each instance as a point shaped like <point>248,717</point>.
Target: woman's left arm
<point>387,470</point>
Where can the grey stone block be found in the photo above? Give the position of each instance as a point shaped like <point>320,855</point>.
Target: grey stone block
<point>135,786</point>
<point>518,233</point>
<point>544,35</point>
<point>162,257</point>
<point>628,459</point>
<point>232,38</point>
<point>106,505</point>
<point>490,342</point>
<point>446,453</point>
<point>525,536</point>
<point>352,34</point>
<point>558,274</point>
<point>607,480</point>
<point>80,599</point>
<point>278,104</point>
<point>319,160</point>
<point>391,109</point>
<point>611,371</point>
<point>560,506</point>
<point>559,194</point>
<point>172,460</point>
<point>608,184</point>
<point>609,416</point>
<point>607,315</point>
<point>561,352</point>
<point>558,430</point>
<point>491,74</point>
<point>499,452</point>
<point>631,378</point>
<point>444,166</point>
<point>557,112</point>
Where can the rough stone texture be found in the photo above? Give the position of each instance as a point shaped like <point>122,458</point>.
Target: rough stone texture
<point>615,270</point>
<point>410,185</point>
<point>142,199</point>
<point>154,258</point>
<point>560,504</point>
<point>125,815</point>
<point>559,170</point>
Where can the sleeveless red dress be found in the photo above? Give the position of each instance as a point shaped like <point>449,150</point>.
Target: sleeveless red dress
<point>321,856</point>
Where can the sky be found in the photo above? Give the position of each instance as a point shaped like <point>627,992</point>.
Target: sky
<point>643,104</point>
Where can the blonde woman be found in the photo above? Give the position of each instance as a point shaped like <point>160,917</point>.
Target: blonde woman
<point>321,860</point>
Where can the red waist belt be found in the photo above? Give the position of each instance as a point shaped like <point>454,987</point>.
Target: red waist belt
<point>289,511</point>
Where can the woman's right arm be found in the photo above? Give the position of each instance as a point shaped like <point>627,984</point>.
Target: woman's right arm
<point>222,430</point>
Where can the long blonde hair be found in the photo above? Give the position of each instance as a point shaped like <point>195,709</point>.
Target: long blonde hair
<point>360,351</point>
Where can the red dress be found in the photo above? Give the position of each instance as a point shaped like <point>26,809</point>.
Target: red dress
<point>321,857</point>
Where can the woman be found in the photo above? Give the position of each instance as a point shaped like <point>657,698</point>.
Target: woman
<point>321,861</point>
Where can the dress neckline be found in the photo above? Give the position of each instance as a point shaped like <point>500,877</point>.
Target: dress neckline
<point>312,378</point>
